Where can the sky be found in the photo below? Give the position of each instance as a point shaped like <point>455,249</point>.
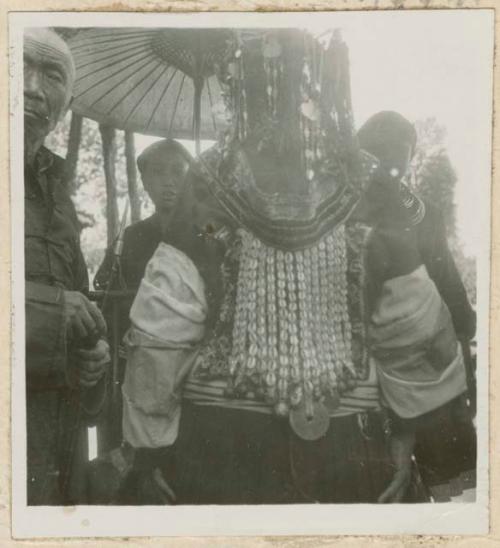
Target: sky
<point>427,64</point>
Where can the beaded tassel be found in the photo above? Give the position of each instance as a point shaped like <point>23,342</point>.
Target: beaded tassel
<point>283,348</point>
<point>251,300</point>
<point>311,365</point>
<point>294,277</point>
<point>273,67</point>
<point>239,95</point>
<point>262,347</point>
<point>310,118</point>
<point>237,361</point>
<point>272,326</point>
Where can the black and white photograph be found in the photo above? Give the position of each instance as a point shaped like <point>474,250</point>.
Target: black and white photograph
<point>256,272</point>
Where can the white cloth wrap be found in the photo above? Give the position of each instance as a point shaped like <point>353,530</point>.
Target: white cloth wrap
<point>167,318</point>
<point>419,360</point>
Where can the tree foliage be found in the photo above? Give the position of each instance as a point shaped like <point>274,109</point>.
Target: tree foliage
<point>89,189</point>
<point>436,184</point>
<point>435,181</point>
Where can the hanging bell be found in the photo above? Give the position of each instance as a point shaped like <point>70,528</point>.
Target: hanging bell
<point>281,409</point>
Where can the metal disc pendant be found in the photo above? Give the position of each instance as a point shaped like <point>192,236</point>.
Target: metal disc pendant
<point>313,427</point>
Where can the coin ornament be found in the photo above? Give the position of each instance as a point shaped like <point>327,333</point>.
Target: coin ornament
<point>310,424</point>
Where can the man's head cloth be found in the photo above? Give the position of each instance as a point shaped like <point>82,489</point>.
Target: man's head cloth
<point>384,130</point>
<point>159,151</point>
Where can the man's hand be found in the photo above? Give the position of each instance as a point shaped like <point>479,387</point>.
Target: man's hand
<point>401,449</point>
<point>90,364</point>
<point>83,319</point>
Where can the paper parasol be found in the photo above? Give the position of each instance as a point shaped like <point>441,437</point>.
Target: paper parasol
<point>153,81</point>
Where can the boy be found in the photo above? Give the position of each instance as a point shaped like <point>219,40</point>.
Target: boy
<point>445,444</point>
<point>163,167</point>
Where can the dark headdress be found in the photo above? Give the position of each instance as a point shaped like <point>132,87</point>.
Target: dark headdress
<point>289,169</point>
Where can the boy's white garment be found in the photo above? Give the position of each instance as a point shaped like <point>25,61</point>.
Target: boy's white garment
<point>419,360</point>
<point>167,317</point>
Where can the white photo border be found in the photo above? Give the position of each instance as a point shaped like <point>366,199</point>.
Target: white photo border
<point>324,519</point>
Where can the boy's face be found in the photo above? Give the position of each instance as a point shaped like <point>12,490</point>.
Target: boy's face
<point>163,179</point>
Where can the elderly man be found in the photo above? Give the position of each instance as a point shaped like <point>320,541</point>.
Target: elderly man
<point>65,352</point>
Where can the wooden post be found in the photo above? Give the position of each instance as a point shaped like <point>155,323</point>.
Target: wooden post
<point>75,135</point>
<point>109,158</point>
<point>135,204</point>
<point>108,137</point>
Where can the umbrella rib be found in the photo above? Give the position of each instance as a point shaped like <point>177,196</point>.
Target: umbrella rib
<point>89,41</point>
<point>145,93</point>
<point>95,84</point>
<point>161,98</point>
<point>119,83</point>
<point>176,103</point>
<point>120,51</point>
<point>211,104</point>
<point>113,63</point>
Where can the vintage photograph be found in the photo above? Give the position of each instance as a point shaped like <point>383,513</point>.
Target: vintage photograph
<point>256,260</point>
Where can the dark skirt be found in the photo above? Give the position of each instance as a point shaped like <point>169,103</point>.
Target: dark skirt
<point>225,456</point>
<point>446,449</point>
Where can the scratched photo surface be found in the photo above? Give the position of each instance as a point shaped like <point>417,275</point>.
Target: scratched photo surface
<point>256,257</point>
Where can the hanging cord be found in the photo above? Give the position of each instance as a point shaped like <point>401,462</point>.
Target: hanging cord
<point>363,425</point>
<point>293,472</point>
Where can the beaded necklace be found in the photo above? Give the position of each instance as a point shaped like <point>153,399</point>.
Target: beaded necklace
<point>291,326</point>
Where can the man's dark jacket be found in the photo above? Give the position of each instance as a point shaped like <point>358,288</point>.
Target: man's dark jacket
<point>53,263</point>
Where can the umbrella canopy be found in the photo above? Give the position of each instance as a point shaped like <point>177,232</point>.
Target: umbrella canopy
<point>154,81</point>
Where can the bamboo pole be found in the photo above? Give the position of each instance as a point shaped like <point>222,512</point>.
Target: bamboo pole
<point>135,203</point>
<point>108,135</point>
<point>75,135</point>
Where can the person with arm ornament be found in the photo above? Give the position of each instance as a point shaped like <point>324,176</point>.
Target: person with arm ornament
<point>409,235</point>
